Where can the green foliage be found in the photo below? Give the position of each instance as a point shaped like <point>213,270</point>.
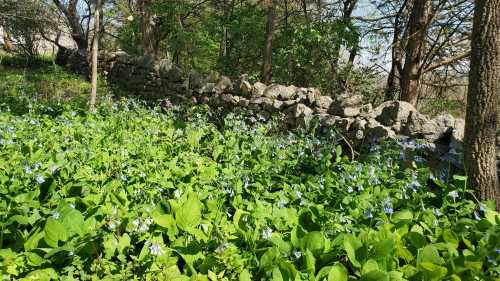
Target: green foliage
<point>41,86</point>
<point>129,193</point>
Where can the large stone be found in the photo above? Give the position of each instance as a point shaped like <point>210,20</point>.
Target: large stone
<point>378,133</point>
<point>280,92</point>
<point>349,111</point>
<point>168,70</point>
<point>343,124</point>
<point>245,88</point>
<point>207,88</point>
<point>229,99</point>
<point>299,115</point>
<point>195,81</point>
<point>312,94</point>
<point>392,112</point>
<point>346,100</point>
<point>258,89</point>
<point>323,102</point>
<point>224,85</point>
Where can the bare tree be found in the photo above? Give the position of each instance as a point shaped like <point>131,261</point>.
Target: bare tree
<point>95,50</point>
<point>147,28</point>
<point>481,120</point>
<point>268,47</point>
<point>75,23</point>
<point>417,31</point>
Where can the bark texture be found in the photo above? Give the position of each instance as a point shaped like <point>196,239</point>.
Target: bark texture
<point>484,84</point>
<point>95,50</point>
<point>266,73</point>
<point>147,28</point>
<point>70,12</point>
<point>415,47</point>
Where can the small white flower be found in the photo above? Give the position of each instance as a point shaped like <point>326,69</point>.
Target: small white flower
<point>112,225</point>
<point>40,179</point>
<point>298,194</point>
<point>142,175</point>
<point>177,193</point>
<point>297,254</point>
<point>437,212</point>
<point>267,233</point>
<point>453,194</point>
<point>53,169</point>
<point>281,203</point>
<point>222,247</point>
<point>155,249</point>
<point>56,215</point>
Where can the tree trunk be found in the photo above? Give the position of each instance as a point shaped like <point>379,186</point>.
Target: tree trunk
<point>395,72</point>
<point>268,48</point>
<point>481,119</point>
<point>77,33</point>
<point>223,43</point>
<point>417,30</point>
<point>147,28</point>
<point>95,51</point>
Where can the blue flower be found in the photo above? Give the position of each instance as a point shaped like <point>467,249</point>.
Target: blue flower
<point>155,249</point>
<point>27,170</point>
<point>388,210</point>
<point>368,214</point>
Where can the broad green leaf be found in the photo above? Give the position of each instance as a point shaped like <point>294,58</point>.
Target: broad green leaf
<point>384,248</point>
<point>245,275</point>
<point>314,242</point>
<point>338,272</point>
<point>376,275</point>
<point>351,244</point>
<point>54,232</point>
<point>189,214</point>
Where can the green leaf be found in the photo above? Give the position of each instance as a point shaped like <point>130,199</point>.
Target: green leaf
<point>369,265</point>
<point>123,242</point>
<point>245,275</point>
<point>384,248</point>
<point>351,244</point>
<point>314,242</point>
<point>376,275</point>
<point>276,274</point>
<point>338,272</point>
<point>189,213</point>
<point>46,274</point>
<point>166,221</point>
<point>402,216</point>
<point>309,262</point>
<point>54,232</point>
<point>34,259</point>
<point>429,254</point>
<point>110,246</point>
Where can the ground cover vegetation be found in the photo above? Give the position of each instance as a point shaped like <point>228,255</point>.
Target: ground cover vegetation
<point>134,192</point>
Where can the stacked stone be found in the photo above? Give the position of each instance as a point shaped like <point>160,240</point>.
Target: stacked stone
<point>360,123</point>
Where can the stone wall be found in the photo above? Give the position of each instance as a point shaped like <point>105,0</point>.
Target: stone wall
<point>359,122</point>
